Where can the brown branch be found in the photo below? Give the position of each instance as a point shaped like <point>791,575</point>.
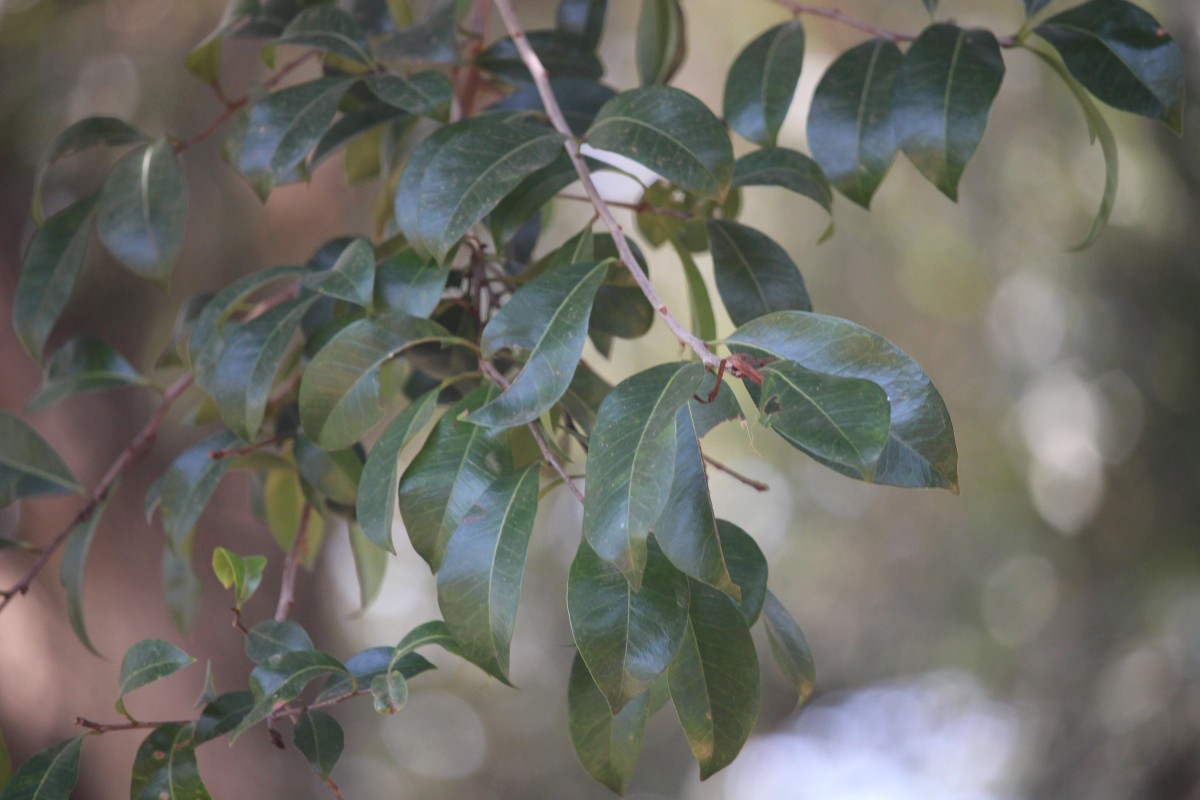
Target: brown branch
<point>757,486</point>
<point>104,727</point>
<point>287,587</point>
<point>555,114</point>
<point>858,24</point>
<point>468,83</point>
<point>635,207</point>
<point>229,452</point>
<point>132,453</point>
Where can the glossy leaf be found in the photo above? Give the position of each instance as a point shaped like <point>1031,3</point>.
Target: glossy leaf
<point>580,99</point>
<point>714,680</point>
<point>839,420</point>
<point>607,744</point>
<point>49,272</point>
<point>456,465</point>
<point>755,276</point>
<point>405,282</point>
<point>620,309</point>
<point>146,662</point>
<point>1123,56</point>
<point>479,582</point>
<point>942,98</point>
<point>427,633</point>
<point>329,29</point>
<point>563,54</point>
<point>427,92</point>
<point>370,566</point>
<point>548,319</point>
<point>188,484</point>
<point>78,136</point>
<point>352,276</point>
<point>584,18</point>
<point>49,774</point>
<point>747,566</point>
<point>787,169</point>
<point>74,562</point>
<point>29,467</point>
<point>319,737</point>
<point>84,364</point>
<point>339,392</point>
<point>790,648</point>
<point>366,666</point>
<point>629,474</point>
<point>920,451</point>
<point>165,766</point>
<point>661,43</point>
<point>271,637</point>
<point>670,132</point>
<point>281,679</point>
<point>378,488</point>
<point>762,81</point>
<point>242,574</point>
<point>627,638</point>
<point>389,693</point>
<point>221,715</point>
<point>142,211</point>
<point>850,121</point>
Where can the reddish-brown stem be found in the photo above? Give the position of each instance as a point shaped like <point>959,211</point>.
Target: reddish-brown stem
<point>230,452</point>
<point>858,24</point>
<point>333,787</point>
<point>469,80</point>
<point>758,486</point>
<point>104,727</point>
<point>287,585</point>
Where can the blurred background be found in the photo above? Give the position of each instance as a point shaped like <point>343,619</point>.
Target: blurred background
<point>1037,636</point>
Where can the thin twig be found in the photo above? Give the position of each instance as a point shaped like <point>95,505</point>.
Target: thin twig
<point>757,486</point>
<point>467,84</point>
<point>104,727</point>
<point>635,207</point>
<point>555,114</point>
<point>333,787</point>
<point>858,24</point>
<point>245,450</point>
<point>132,453</point>
<point>287,587</point>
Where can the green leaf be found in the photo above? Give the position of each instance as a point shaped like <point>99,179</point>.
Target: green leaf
<point>850,121</point>
<point>389,693</point>
<point>142,211</point>
<point>406,282</point>
<point>165,766</point>
<point>221,715</point>
<point>628,479</point>
<point>74,562</point>
<point>146,662</point>
<point>49,272</point>
<point>281,679</point>
<point>1034,6</point>
<point>531,194</point>
<point>762,81</point>
<point>329,29</point>
<point>620,309</point>
<point>714,680</point>
<point>425,634</point>
<point>329,479</point>
<point>242,574</point>
<point>370,566</point>
<point>748,567</point>
<point>584,18</point>
<point>181,585</point>
<point>670,132</point>
<point>547,318</point>
<point>85,133</point>
<point>432,40</point>
<point>378,488</point>
<point>920,451</point>
<point>627,638</point>
<point>788,169</point>
<point>584,396</point>
<point>352,276</point>
<point>941,100</point>
<point>270,637</point>
<point>427,93</point>
<point>49,774</point>
<point>755,276</point>
<point>607,744</point>
<point>661,41</point>
<point>479,582</point>
<point>369,664</point>
<point>1123,56</point>
<point>457,463</point>
<point>319,737</point>
<point>84,364</point>
<point>339,392</point>
<point>580,99</point>
<point>704,321</point>
<point>464,170</point>
<point>28,466</point>
<point>189,483</point>
<point>842,421</point>
<point>790,648</point>
<point>564,55</point>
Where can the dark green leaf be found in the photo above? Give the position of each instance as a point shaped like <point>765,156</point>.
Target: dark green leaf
<point>378,488</point>
<point>243,575</point>
<point>661,41</point>
<point>620,309</point>
<point>366,666</point>
<point>165,766</point>
<point>479,582</point>
<point>704,321</point>
<point>584,396</point>
<point>670,132</point>
<point>339,392</point>
<point>433,40</point>
<point>425,634</point>
<point>146,662</point>
<point>329,29</point>
<point>269,638</point>
<point>579,99</point>
<point>221,715</point>
<point>714,680</point>
<point>389,693</point>
<point>788,169</point>
<point>370,566</point>
<point>850,122</point>
<point>427,93</point>
<point>584,18</point>
<point>748,567</point>
<point>790,648</point>
<point>350,128</point>
<point>188,485</point>
<point>319,737</point>
<point>942,97</point>
<point>181,585</point>
<point>28,466</point>
<point>74,562</point>
<point>628,478</point>
<point>49,272</point>
<point>142,211</point>
<point>920,451</point>
<point>627,638</point>
<point>280,679</point>
<point>563,54</point>
<point>84,364</point>
<point>1123,56</point>
<point>78,136</point>
<point>352,276</point>
<point>607,744</point>
<point>457,463</point>
<point>755,276</point>
<point>405,282</point>
<point>1034,6</point>
<point>762,81</point>
<point>49,775</point>
<point>329,479</point>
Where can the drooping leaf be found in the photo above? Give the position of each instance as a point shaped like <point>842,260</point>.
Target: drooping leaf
<point>661,44</point>
<point>49,774</point>
<point>221,715</point>
<point>242,574</point>
<point>755,276</point>
<point>389,693</point>
<point>330,29</point>
<point>627,638</point>
<point>271,637</point>
<point>370,566</point>
<point>181,585</point>
<point>425,634</point>
<point>479,582</point>
<point>352,276</point>
<point>319,737</point>
<point>747,566</point>
<point>406,282</point>
<point>941,100</point>
<point>283,507</point>
<point>165,766</point>
<point>850,121</point>
<point>548,319</point>
<point>920,451</point>
<point>1123,56</point>
<point>563,54</point>
<point>29,467</point>
<point>629,475</point>
<point>607,744</point>
<point>84,364</point>
<point>788,169</point>
<point>584,18</point>
<point>762,81</point>
<point>714,680</point>
<point>74,562</point>
<point>146,662</point>
<point>426,93</point>
<point>281,679</point>
<point>339,392</point>
<point>790,648</point>
<point>78,136</point>
<point>620,309</point>
<point>189,483</point>
<point>704,321</point>
<point>49,272</point>
<point>670,132</point>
